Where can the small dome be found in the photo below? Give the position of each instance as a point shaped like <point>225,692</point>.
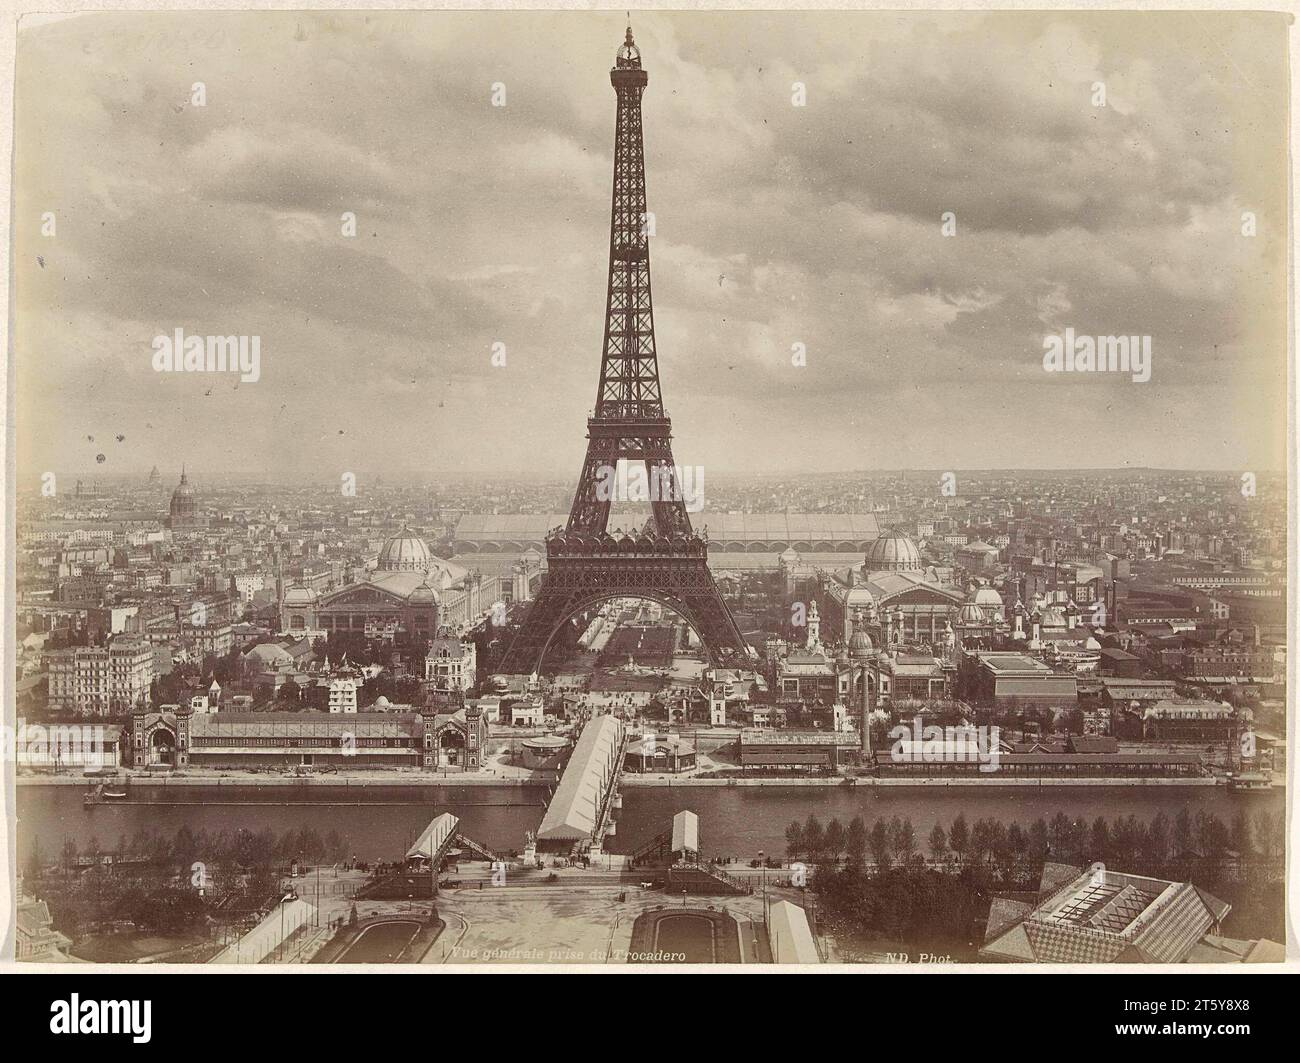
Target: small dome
<point>971,614</point>
<point>894,552</point>
<point>382,702</point>
<point>859,598</point>
<point>424,593</point>
<point>987,596</point>
<point>860,644</point>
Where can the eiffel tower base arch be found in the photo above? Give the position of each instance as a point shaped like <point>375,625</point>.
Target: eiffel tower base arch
<point>682,584</point>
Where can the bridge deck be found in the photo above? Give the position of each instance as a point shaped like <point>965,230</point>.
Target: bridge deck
<point>579,810</point>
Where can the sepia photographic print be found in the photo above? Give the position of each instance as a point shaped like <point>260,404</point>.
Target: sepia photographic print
<point>558,489</point>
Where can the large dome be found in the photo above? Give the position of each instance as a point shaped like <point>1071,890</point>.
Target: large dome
<point>894,552</point>
<point>185,501</point>
<point>404,552</point>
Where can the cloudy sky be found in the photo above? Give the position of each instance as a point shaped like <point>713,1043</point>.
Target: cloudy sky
<point>775,225</point>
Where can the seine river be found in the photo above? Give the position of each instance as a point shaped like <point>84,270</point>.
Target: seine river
<point>381,823</point>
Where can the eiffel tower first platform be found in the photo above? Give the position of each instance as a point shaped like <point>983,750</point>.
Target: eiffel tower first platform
<point>666,561</point>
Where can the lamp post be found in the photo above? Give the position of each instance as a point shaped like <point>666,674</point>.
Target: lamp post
<point>762,867</point>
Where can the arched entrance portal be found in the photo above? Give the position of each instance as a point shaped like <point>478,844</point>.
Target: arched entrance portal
<point>451,749</point>
<point>162,747</point>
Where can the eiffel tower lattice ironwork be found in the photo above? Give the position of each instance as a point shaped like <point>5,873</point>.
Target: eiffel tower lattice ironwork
<point>666,561</point>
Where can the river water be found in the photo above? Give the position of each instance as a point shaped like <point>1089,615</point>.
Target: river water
<point>383,822</point>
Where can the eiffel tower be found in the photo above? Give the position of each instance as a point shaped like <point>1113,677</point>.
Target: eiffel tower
<point>665,561</point>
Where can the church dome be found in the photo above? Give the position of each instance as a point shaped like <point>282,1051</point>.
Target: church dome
<point>894,552</point>
<point>971,614</point>
<point>404,552</point>
<point>185,500</point>
<point>987,598</point>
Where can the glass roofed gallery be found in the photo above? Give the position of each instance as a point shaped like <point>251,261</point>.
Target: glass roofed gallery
<point>578,812</point>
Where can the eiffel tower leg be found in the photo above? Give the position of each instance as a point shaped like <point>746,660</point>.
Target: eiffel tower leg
<point>671,518</point>
<point>549,610</point>
<point>590,513</point>
<point>702,606</point>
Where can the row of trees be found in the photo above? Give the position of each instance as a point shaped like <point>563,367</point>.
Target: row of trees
<point>936,897</point>
<point>817,844</point>
<point>1125,842</point>
<point>238,848</point>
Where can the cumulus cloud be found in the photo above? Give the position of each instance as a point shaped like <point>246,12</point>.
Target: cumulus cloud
<point>776,225</point>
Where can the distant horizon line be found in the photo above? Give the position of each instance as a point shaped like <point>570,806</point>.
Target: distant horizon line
<point>190,469</point>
